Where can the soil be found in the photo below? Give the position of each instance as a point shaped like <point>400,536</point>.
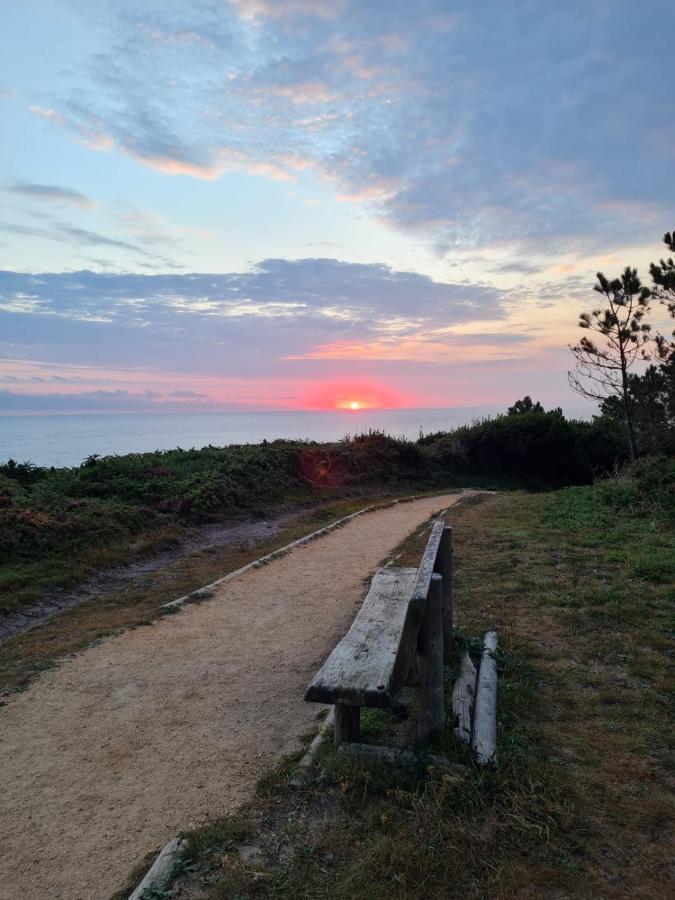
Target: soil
<point>157,729</point>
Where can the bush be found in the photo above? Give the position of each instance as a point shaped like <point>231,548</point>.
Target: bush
<point>646,487</point>
<point>537,448</point>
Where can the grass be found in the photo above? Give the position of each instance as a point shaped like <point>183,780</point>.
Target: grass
<point>579,584</point>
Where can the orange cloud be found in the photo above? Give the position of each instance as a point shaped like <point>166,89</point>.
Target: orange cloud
<point>438,347</point>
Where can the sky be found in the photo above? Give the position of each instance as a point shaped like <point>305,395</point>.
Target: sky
<point>301,204</point>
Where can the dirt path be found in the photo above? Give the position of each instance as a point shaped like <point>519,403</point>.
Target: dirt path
<point>108,756</point>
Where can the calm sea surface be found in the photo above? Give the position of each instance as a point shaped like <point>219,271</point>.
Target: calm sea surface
<point>65,440</point>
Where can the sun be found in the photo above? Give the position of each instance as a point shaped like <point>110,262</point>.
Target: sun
<point>354,404</point>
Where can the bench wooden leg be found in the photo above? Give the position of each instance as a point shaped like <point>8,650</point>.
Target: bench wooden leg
<point>347,723</point>
<point>431,719</point>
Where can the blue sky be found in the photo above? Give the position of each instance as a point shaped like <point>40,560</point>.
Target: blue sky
<point>226,204</point>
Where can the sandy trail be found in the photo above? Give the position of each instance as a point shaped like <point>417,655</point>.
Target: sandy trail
<point>109,755</point>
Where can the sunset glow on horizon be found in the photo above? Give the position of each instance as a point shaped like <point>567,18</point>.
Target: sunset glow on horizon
<point>355,396</point>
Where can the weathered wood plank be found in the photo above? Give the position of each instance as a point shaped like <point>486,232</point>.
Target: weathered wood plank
<point>463,694</point>
<point>428,563</point>
<point>431,716</point>
<point>444,568</point>
<point>371,662</point>
<point>484,739</point>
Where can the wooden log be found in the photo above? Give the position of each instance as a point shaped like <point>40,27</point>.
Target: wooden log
<point>484,738</point>
<point>463,694</point>
<point>444,569</point>
<point>159,873</point>
<point>456,770</point>
<point>430,663</point>
<point>307,760</point>
<point>347,723</point>
<point>395,756</point>
<point>370,753</point>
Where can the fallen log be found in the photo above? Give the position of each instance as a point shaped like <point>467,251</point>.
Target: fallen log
<point>392,755</point>
<point>395,756</point>
<point>484,737</point>
<point>463,695</point>
<point>160,871</point>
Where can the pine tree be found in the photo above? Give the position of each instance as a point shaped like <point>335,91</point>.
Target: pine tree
<point>663,277</point>
<point>601,370</point>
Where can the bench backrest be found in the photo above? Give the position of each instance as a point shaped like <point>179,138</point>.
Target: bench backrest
<point>436,559</point>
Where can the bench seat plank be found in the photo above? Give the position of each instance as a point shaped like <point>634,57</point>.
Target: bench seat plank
<point>371,662</point>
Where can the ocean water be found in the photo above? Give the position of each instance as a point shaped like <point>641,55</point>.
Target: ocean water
<point>66,440</point>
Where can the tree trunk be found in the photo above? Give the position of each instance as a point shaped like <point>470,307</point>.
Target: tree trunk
<point>632,445</point>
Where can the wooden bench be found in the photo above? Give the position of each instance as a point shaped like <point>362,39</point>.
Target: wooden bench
<point>407,612</point>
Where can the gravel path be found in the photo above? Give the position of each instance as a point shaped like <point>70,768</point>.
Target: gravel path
<point>109,755</point>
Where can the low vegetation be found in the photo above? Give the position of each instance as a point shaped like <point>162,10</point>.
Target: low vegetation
<point>579,582</point>
<point>57,526</point>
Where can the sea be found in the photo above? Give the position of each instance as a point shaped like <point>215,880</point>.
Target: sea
<point>67,440</point>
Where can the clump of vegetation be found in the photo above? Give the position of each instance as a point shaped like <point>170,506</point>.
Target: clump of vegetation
<point>529,447</point>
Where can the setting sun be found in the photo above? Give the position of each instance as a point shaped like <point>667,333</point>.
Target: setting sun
<point>354,396</point>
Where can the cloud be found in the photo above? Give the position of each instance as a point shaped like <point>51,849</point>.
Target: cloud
<point>236,323</point>
<point>49,114</point>
<point>330,288</point>
<point>462,128</point>
<point>283,9</point>
<point>50,193</point>
<point>102,401</point>
<point>64,233</point>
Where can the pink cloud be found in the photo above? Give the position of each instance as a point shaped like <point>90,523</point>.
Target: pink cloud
<point>49,114</point>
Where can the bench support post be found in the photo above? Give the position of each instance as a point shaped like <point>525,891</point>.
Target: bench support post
<point>430,663</point>
<point>347,723</point>
<point>445,570</point>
